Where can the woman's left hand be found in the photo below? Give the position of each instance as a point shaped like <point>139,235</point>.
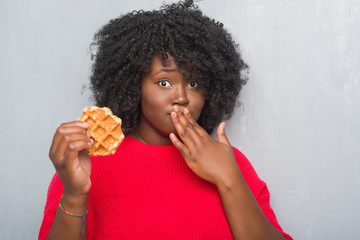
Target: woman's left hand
<point>211,160</point>
<point>215,162</point>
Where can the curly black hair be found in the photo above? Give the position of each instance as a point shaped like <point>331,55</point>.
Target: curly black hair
<point>125,48</point>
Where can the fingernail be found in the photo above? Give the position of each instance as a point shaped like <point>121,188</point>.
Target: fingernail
<point>172,136</point>
<point>176,108</point>
<point>91,141</point>
<point>85,124</point>
<point>173,114</point>
<point>88,134</point>
<point>186,111</point>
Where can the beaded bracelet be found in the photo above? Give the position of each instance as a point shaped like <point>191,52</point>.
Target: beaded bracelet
<point>83,216</point>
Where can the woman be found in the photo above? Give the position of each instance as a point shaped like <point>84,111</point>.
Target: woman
<point>172,76</point>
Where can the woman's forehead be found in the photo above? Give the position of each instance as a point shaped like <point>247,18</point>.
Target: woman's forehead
<point>169,62</point>
<point>158,63</point>
<point>187,69</point>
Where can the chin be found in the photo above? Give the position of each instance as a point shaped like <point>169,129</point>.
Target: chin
<point>167,130</point>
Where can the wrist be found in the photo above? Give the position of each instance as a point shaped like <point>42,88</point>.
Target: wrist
<point>228,182</point>
<point>75,204</point>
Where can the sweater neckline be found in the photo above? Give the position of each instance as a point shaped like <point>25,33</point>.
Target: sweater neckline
<point>138,146</point>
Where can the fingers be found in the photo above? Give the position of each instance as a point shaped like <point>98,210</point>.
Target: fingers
<point>65,128</point>
<point>185,132</point>
<point>180,146</point>
<point>69,139</point>
<point>69,147</point>
<point>72,151</point>
<point>221,134</point>
<point>187,128</point>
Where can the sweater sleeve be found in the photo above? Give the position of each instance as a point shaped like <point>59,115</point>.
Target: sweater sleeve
<point>52,202</point>
<point>258,189</point>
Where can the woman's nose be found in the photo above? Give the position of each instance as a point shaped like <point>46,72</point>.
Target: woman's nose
<point>180,96</point>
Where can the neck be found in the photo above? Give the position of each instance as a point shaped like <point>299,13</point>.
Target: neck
<point>150,136</point>
<point>154,140</point>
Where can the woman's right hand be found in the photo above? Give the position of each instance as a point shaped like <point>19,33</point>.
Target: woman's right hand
<point>68,153</point>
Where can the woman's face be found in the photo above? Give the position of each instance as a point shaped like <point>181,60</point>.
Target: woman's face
<point>162,89</point>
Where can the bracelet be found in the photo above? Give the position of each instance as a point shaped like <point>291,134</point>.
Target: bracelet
<point>83,216</point>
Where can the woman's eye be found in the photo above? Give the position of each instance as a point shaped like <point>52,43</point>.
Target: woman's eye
<point>164,83</point>
<point>193,84</point>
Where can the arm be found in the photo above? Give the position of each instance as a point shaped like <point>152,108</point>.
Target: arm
<point>73,166</point>
<point>215,162</point>
<point>245,218</point>
<point>66,226</point>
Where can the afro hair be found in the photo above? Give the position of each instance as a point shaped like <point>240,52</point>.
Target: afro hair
<point>125,48</point>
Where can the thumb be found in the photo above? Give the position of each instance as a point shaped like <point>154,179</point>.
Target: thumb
<point>221,134</point>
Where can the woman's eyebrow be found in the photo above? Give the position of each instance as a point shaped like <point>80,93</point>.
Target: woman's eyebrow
<point>164,70</point>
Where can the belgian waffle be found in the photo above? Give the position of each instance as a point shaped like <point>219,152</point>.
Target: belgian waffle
<point>105,130</point>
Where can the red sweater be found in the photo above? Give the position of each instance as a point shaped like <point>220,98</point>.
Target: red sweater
<point>148,192</point>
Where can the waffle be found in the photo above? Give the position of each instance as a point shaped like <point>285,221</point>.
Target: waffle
<point>105,130</point>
